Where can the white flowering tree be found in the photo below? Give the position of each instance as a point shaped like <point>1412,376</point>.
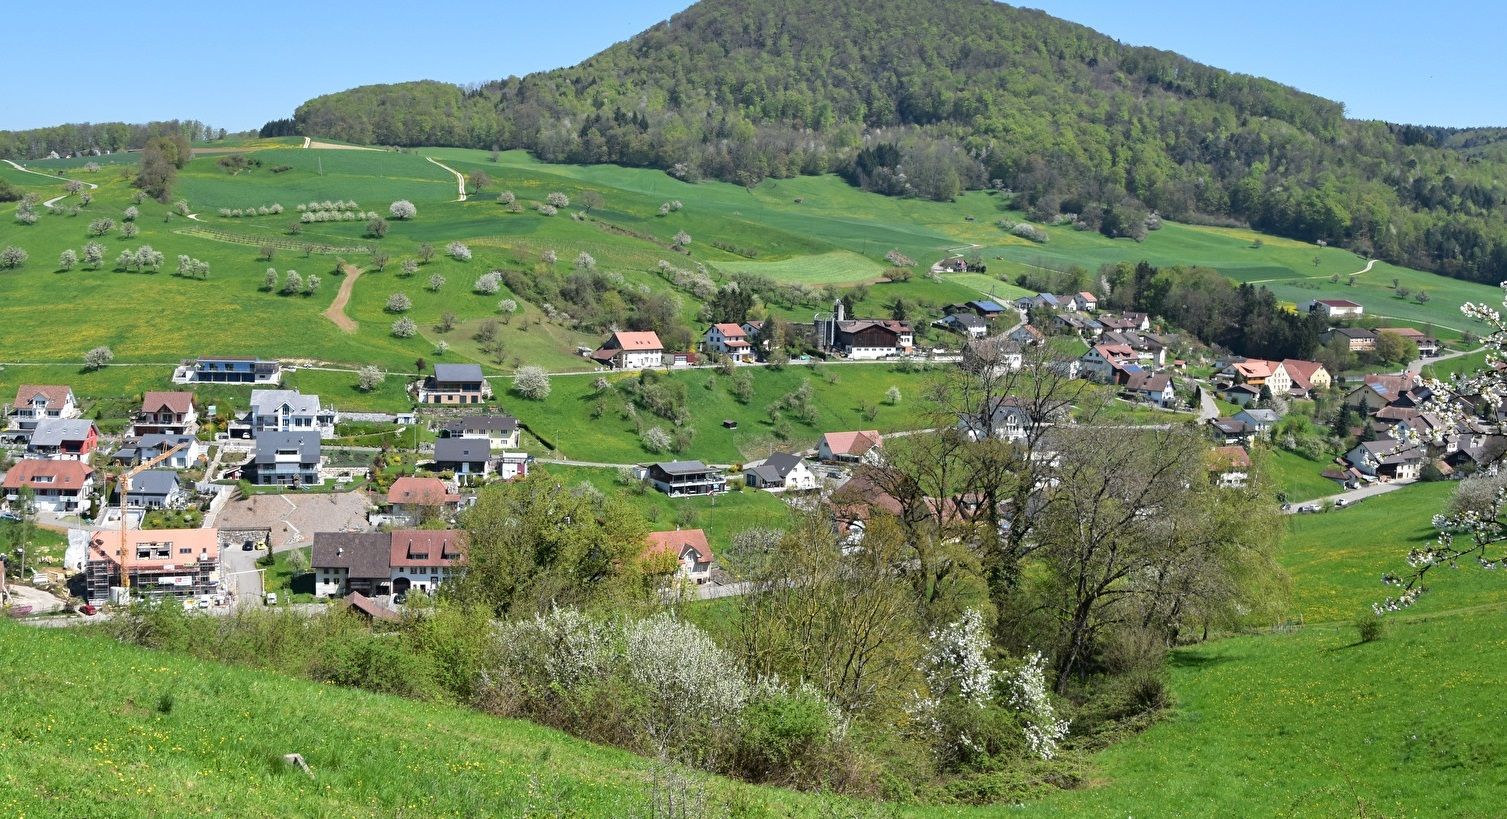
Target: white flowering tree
<point>130,214</point>
<point>12,257</point>
<point>269,280</point>
<point>532,383</point>
<point>549,257</point>
<point>546,209</point>
<point>100,227</point>
<point>408,268</point>
<point>292,283</point>
<point>1468,533</point>
<point>311,285</point>
<point>396,303</point>
<point>557,199</point>
<point>435,282</point>
<point>369,378</point>
<point>488,284</point>
<point>586,262</point>
<point>402,210</point>
<point>458,251</point>
<point>404,328</point>
<point>94,255</point>
<point>68,259</point>
<point>97,358</point>
<point>506,198</point>
<point>682,239</point>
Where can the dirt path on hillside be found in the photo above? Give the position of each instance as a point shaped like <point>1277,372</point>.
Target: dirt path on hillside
<point>336,310</point>
<point>54,200</point>
<point>460,180</point>
<point>1367,269</point>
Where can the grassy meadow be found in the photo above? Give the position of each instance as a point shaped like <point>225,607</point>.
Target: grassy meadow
<point>813,230</point>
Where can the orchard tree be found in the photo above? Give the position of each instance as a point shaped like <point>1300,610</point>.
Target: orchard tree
<point>549,257</point>
<point>585,262</point>
<point>408,268</point>
<point>557,199</point>
<point>399,303</point>
<point>458,251</point>
<point>447,322</point>
<point>292,283</point>
<point>12,257</point>
<point>404,328</point>
<point>591,200</point>
<point>435,283</point>
<point>100,227</point>
<point>489,284</point>
<point>682,240</point>
<point>94,255</point>
<point>130,214</point>
<point>507,307</point>
<point>129,230</point>
<point>97,358</point>
<point>379,261</point>
<point>311,285</point>
<point>532,383</point>
<point>426,252</point>
<point>402,210</point>
<point>67,259</point>
<point>478,180</point>
<point>269,281</point>
<point>369,378</point>
<point>506,198</point>
<point>376,228</point>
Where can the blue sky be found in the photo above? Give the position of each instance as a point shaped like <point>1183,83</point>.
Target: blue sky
<point>238,65</point>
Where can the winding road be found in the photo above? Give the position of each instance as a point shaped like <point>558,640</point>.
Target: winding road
<point>460,179</point>
<point>54,200</point>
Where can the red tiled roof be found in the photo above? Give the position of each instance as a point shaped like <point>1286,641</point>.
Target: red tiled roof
<point>426,547</point>
<point>730,330</point>
<point>1338,303</point>
<point>64,474</point>
<point>56,395</point>
<point>853,443</point>
<point>369,607</point>
<point>676,542</point>
<point>180,402</point>
<point>1301,371</point>
<point>1230,457</point>
<point>424,491</point>
<point>1256,368</point>
<point>644,341</point>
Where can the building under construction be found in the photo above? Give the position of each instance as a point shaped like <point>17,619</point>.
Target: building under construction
<point>158,563</point>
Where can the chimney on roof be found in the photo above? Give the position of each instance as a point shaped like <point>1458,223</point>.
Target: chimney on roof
<point>339,550</point>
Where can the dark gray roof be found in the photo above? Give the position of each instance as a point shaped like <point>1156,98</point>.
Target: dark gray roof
<point>457,450</point>
<point>482,423</point>
<point>783,463</point>
<point>54,431</point>
<point>767,474</point>
<point>683,467</point>
<point>268,443</point>
<point>154,482</point>
<point>363,554</point>
<point>966,320</point>
<point>457,372</point>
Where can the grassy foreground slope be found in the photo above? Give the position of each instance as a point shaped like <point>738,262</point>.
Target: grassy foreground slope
<point>89,727</point>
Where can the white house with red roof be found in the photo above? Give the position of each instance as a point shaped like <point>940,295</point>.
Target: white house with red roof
<point>631,351</point>
<point>412,500</point>
<point>57,486</point>
<point>1102,361</point>
<point>688,548</point>
<point>728,339</point>
<point>863,446</point>
<point>37,402</point>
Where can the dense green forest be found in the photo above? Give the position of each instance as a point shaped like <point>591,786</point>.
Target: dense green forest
<point>929,98</point>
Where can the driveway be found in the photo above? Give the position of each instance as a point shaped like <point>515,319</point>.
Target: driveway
<point>1353,495</point>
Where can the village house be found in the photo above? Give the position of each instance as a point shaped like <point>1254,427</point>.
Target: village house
<point>1040,301</point>
<point>781,472</point>
<point>1026,335</point>
<point>1388,458</point>
<point>1358,339</point>
<point>499,431</point>
<point>1125,322</point>
<point>1259,421</point>
<point>687,548</point>
<point>229,370</point>
<point>1306,377</point>
<point>1377,391</point>
<point>1081,325</point>
<point>863,339</point>
<point>964,324</point>
<point>987,309</point>
<point>631,351</point>
<point>1229,431</point>
<point>1259,373</point>
<point>685,478</point>
<point>379,563</point>
<point>154,489</point>
<point>728,339</point>
<point>463,456</point>
<point>1428,347</point>
<point>285,411</point>
<point>1230,466</point>
<point>179,563</point>
<point>1153,388</point>
<point>63,439</point>
<point>1150,350</point>
<point>1334,309</point>
<point>1006,418</point>
<point>413,500</point>
<point>1087,301</point>
<point>56,486</point>
<point>285,459</point>
<point>863,446</point>
<point>166,413</point>
<point>1103,361</point>
<point>38,402</point>
<point>140,450</point>
<point>454,384</point>
<point>992,357</point>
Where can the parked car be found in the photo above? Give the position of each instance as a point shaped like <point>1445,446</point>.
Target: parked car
<point>1341,503</point>
<point>9,515</point>
<point>271,598</point>
<point>88,610</point>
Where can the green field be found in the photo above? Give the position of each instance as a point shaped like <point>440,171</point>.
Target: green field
<point>565,418</point>
<point>811,231</point>
<point>1298,478</point>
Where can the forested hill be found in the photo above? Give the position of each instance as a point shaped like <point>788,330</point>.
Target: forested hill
<point>928,97</point>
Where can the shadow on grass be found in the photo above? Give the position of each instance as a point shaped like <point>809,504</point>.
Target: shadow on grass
<point>1193,658</point>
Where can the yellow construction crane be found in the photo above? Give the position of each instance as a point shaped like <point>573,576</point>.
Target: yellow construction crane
<point>122,487</point>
